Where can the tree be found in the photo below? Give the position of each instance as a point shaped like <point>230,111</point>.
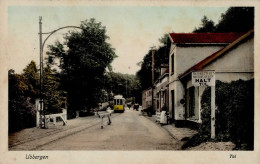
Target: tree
<point>161,56</point>
<point>124,84</point>
<point>54,98</point>
<point>206,26</point>
<point>84,63</point>
<point>21,112</point>
<point>24,89</point>
<point>236,19</point>
<point>164,39</point>
<point>31,79</point>
<point>56,51</point>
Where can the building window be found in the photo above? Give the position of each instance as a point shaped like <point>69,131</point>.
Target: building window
<point>172,61</point>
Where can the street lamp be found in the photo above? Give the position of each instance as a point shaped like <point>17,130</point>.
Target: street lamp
<point>42,111</point>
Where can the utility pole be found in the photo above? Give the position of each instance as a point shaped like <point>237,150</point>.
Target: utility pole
<point>126,88</point>
<point>153,51</point>
<point>42,121</point>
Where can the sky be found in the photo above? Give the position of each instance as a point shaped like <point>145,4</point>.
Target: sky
<point>132,29</point>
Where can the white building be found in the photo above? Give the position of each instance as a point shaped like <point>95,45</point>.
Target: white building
<point>147,98</point>
<point>186,51</point>
<point>233,62</point>
<point>161,97</point>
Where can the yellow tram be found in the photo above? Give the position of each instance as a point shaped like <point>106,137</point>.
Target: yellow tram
<point>119,103</point>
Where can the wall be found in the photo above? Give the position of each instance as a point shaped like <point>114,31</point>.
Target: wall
<point>146,97</point>
<point>184,58</point>
<point>187,57</point>
<point>237,64</point>
<point>238,60</point>
<point>162,84</point>
<point>178,94</point>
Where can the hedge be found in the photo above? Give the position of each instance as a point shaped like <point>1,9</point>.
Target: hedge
<point>234,115</point>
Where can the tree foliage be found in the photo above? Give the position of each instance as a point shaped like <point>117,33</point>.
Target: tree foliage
<point>124,84</point>
<point>21,112</point>
<point>24,89</point>
<point>54,96</point>
<point>83,64</point>
<point>235,19</point>
<point>164,39</point>
<point>234,115</point>
<point>31,79</point>
<point>206,26</point>
<point>161,56</point>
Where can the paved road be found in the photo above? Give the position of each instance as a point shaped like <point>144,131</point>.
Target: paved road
<point>128,131</point>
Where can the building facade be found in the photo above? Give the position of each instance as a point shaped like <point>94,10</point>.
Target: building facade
<point>161,91</point>
<point>147,98</point>
<point>186,50</point>
<point>233,62</point>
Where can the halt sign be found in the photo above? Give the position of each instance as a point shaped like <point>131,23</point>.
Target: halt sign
<point>207,78</point>
<point>203,78</point>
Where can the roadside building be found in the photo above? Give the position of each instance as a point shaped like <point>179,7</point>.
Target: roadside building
<point>147,98</point>
<point>231,63</point>
<point>161,90</point>
<point>186,50</point>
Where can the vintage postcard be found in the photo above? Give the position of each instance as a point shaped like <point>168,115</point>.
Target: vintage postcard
<point>129,81</point>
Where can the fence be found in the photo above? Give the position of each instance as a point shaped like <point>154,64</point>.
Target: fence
<point>51,118</point>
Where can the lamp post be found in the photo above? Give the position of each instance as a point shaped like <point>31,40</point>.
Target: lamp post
<point>42,111</point>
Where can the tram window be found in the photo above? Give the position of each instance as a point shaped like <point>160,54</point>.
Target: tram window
<point>120,102</point>
<point>115,102</point>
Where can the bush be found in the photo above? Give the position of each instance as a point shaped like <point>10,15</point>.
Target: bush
<point>234,115</point>
<point>22,114</point>
<point>21,111</point>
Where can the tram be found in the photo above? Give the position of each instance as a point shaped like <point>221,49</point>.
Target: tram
<point>119,103</point>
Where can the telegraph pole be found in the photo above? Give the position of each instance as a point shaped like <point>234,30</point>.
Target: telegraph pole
<point>153,51</point>
<point>42,123</point>
<point>126,88</point>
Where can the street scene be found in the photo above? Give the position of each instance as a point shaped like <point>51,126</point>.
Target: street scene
<point>113,81</point>
<point>128,131</point>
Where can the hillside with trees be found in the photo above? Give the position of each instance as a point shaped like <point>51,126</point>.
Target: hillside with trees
<point>235,19</point>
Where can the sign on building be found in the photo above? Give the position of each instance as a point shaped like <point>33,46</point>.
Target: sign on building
<point>207,78</point>
<point>203,78</point>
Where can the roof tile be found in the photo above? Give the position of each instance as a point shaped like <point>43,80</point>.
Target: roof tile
<point>204,37</point>
<point>215,55</point>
